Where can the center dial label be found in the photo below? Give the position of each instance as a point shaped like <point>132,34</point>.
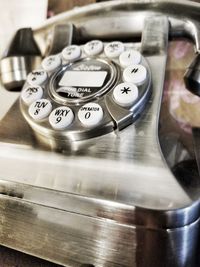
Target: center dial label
<point>83,80</point>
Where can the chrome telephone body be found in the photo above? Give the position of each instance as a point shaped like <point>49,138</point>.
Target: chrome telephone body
<point>99,196</point>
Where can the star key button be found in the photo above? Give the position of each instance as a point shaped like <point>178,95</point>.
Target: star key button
<point>125,90</point>
<point>125,94</point>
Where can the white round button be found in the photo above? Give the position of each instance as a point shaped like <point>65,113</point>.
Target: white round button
<point>71,52</point>
<point>31,93</point>
<point>93,48</point>
<point>51,63</point>
<point>114,49</point>
<point>90,114</point>
<point>61,117</point>
<point>40,109</point>
<point>37,77</point>
<point>130,57</point>
<point>125,94</point>
<point>136,74</point>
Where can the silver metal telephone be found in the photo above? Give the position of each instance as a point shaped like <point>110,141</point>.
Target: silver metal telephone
<point>83,178</point>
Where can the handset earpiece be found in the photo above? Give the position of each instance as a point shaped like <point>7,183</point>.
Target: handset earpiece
<point>24,55</point>
<point>192,76</point>
<point>21,57</point>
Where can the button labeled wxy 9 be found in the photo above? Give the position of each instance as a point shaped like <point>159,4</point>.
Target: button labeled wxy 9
<point>61,117</point>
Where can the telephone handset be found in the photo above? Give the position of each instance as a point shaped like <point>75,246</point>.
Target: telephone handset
<point>96,77</point>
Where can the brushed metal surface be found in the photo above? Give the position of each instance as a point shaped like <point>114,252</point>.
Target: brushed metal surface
<point>56,235</point>
<point>108,201</point>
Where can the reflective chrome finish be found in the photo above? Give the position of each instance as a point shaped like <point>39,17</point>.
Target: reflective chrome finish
<point>108,201</point>
<point>183,18</point>
<point>15,69</point>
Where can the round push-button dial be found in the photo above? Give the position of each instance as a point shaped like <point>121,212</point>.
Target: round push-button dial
<point>90,114</point>
<point>71,52</point>
<point>40,109</point>
<point>114,49</point>
<point>136,74</point>
<point>61,117</point>
<point>130,57</point>
<point>51,63</point>
<point>125,94</point>
<point>37,77</point>
<point>93,48</point>
<point>31,93</point>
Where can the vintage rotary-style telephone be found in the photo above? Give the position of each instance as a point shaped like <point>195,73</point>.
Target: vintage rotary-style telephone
<point>88,177</point>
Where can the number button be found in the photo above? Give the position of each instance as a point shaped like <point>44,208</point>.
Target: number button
<point>136,74</point>
<point>51,63</point>
<point>114,49</point>
<point>93,48</point>
<point>130,57</point>
<point>125,94</point>
<point>37,77</point>
<point>71,52</point>
<point>90,114</point>
<point>40,109</point>
<point>31,93</point>
<point>61,117</point>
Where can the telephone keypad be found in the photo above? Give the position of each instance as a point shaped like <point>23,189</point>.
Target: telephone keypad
<point>114,49</point>
<point>51,63</point>
<point>71,53</point>
<point>136,74</point>
<point>40,109</point>
<point>130,57</point>
<point>93,48</point>
<point>31,94</point>
<point>85,88</point>
<point>90,114</point>
<point>61,117</point>
<point>125,94</point>
<point>37,77</point>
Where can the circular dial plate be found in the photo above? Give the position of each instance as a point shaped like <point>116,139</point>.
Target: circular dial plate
<point>85,98</point>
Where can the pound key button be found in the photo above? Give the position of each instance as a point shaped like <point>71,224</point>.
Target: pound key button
<point>51,63</point>
<point>90,114</point>
<point>71,52</point>
<point>61,117</point>
<point>125,94</point>
<point>136,74</point>
<point>114,49</point>
<point>31,93</point>
<point>93,47</point>
<point>40,109</point>
<point>37,77</point>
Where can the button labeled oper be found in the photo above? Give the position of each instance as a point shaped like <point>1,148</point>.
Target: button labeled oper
<point>37,77</point>
<point>136,74</point>
<point>51,63</point>
<point>61,117</point>
<point>90,114</point>
<point>125,94</point>
<point>31,94</point>
<point>40,109</point>
<point>114,49</point>
<point>93,47</point>
<point>71,52</point>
